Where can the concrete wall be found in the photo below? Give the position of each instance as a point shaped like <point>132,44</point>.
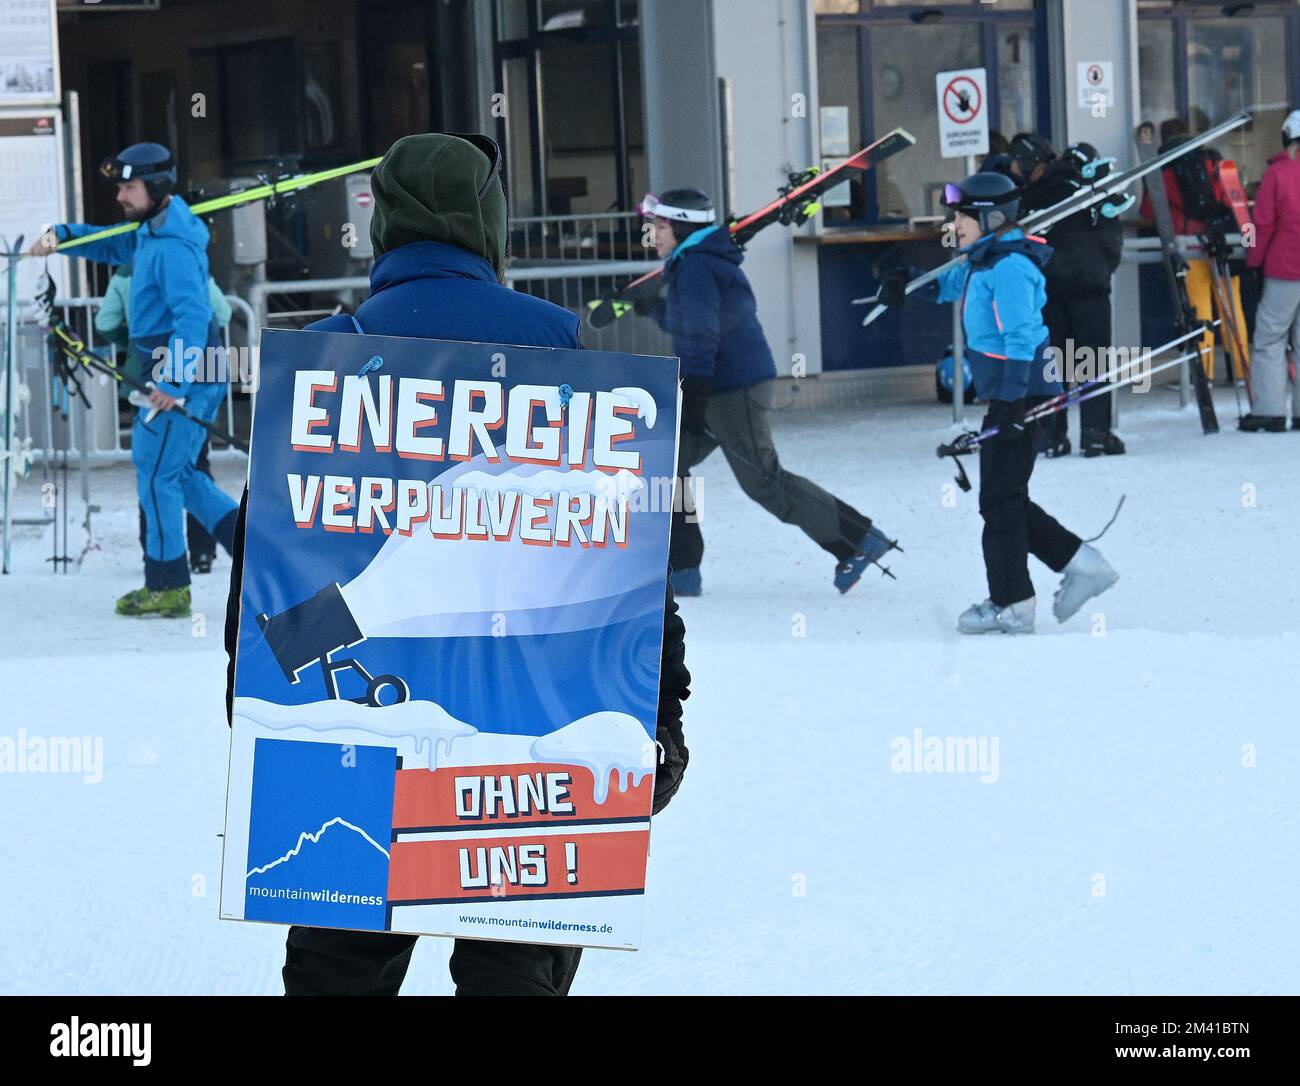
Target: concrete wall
<point>1083,31</point>
<point>766,49</point>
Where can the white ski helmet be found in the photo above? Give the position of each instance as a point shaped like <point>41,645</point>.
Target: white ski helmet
<point>1291,127</point>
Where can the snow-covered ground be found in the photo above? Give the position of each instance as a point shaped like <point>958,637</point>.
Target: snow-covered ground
<point>1140,835</point>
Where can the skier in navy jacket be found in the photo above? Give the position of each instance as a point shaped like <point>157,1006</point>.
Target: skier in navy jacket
<point>440,235</point>
<point>1001,290</point>
<point>728,375</point>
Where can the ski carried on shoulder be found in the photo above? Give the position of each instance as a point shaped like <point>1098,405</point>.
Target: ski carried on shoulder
<point>795,204</point>
<point>1090,193</point>
<point>1175,265</point>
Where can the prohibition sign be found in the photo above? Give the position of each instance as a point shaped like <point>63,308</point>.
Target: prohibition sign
<point>963,95</point>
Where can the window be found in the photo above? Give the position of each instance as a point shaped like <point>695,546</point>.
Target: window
<point>573,130</point>
<point>1201,66</point>
<point>877,60</point>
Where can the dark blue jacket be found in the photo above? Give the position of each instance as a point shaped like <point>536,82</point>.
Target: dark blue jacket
<point>711,314</point>
<point>1001,289</point>
<point>430,290</point>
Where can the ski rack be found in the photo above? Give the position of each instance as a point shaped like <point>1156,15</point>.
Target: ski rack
<point>1088,196</point>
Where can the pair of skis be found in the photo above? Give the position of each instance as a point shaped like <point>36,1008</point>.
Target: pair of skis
<point>795,204</point>
<point>268,190</point>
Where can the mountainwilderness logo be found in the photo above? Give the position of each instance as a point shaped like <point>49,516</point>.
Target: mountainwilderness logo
<point>111,1039</point>
<point>319,833</point>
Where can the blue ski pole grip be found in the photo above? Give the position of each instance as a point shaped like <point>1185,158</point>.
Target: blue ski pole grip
<point>1114,211</point>
<point>309,631</point>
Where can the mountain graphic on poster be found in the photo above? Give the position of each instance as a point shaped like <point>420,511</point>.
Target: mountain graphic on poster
<point>320,823</point>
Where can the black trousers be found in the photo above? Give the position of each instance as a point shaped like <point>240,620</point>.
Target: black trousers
<point>198,539</point>
<point>737,423</point>
<point>1084,320</point>
<point>327,961</point>
<point>1014,527</point>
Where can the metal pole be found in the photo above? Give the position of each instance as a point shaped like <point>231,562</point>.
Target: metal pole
<point>958,365</point>
<point>11,376</point>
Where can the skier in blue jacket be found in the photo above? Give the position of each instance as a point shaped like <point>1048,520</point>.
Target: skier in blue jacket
<point>170,314</point>
<point>1001,289</point>
<point>727,381</point>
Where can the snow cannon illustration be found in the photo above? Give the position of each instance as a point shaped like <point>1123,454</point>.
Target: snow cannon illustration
<point>310,632</point>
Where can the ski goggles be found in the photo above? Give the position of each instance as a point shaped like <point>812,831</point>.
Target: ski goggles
<point>652,208</point>
<point>489,147</point>
<point>958,200</point>
<point>114,170</point>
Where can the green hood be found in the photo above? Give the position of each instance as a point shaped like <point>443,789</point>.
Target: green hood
<point>426,189</point>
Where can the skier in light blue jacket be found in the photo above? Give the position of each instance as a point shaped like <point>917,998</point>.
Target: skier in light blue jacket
<point>170,316</point>
<point>1001,290</point>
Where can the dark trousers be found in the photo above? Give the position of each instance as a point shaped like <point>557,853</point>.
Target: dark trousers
<point>197,538</point>
<point>1084,320</point>
<point>737,424</point>
<point>1014,527</point>
<point>328,961</point>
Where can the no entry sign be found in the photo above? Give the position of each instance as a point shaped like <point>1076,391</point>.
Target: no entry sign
<point>963,112</point>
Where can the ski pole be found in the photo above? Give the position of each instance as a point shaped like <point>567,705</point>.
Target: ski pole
<point>968,442</point>
<point>76,350</point>
<point>1176,342</point>
<point>1093,193</point>
<point>234,199</point>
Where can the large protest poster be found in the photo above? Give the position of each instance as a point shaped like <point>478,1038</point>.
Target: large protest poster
<point>450,638</point>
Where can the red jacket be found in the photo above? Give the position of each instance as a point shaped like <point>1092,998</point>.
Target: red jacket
<point>1277,220</point>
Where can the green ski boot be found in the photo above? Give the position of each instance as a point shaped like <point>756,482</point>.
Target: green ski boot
<point>168,603</point>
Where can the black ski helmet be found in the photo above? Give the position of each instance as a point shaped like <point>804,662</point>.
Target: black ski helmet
<point>687,210</point>
<point>1029,149</point>
<point>997,163</point>
<point>992,198</point>
<point>1087,160</point>
<point>151,163</point>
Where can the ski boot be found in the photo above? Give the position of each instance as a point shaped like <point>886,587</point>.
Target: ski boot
<point>1102,442</point>
<point>1088,574</point>
<point>687,582</point>
<point>201,563</point>
<point>872,547</point>
<point>1267,424</point>
<point>167,603</point>
<point>982,618</point>
<point>1295,422</point>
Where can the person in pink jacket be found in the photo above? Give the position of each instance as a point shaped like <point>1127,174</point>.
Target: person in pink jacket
<point>1277,251</point>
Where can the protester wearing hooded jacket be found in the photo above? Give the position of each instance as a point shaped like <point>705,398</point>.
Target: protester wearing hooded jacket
<point>440,236</point>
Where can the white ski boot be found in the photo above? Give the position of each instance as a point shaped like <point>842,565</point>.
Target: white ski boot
<point>1087,575</point>
<point>984,617</point>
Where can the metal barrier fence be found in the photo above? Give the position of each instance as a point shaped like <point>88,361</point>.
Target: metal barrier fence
<point>100,433</point>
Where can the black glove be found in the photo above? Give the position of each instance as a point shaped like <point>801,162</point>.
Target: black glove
<point>1009,417</point>
<point>695,403</point>
<point>893,288</point>
<point>672,766</point>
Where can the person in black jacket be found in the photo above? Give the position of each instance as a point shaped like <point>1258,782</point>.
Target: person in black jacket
<point>1086,252</point>
<point>440,233</point>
